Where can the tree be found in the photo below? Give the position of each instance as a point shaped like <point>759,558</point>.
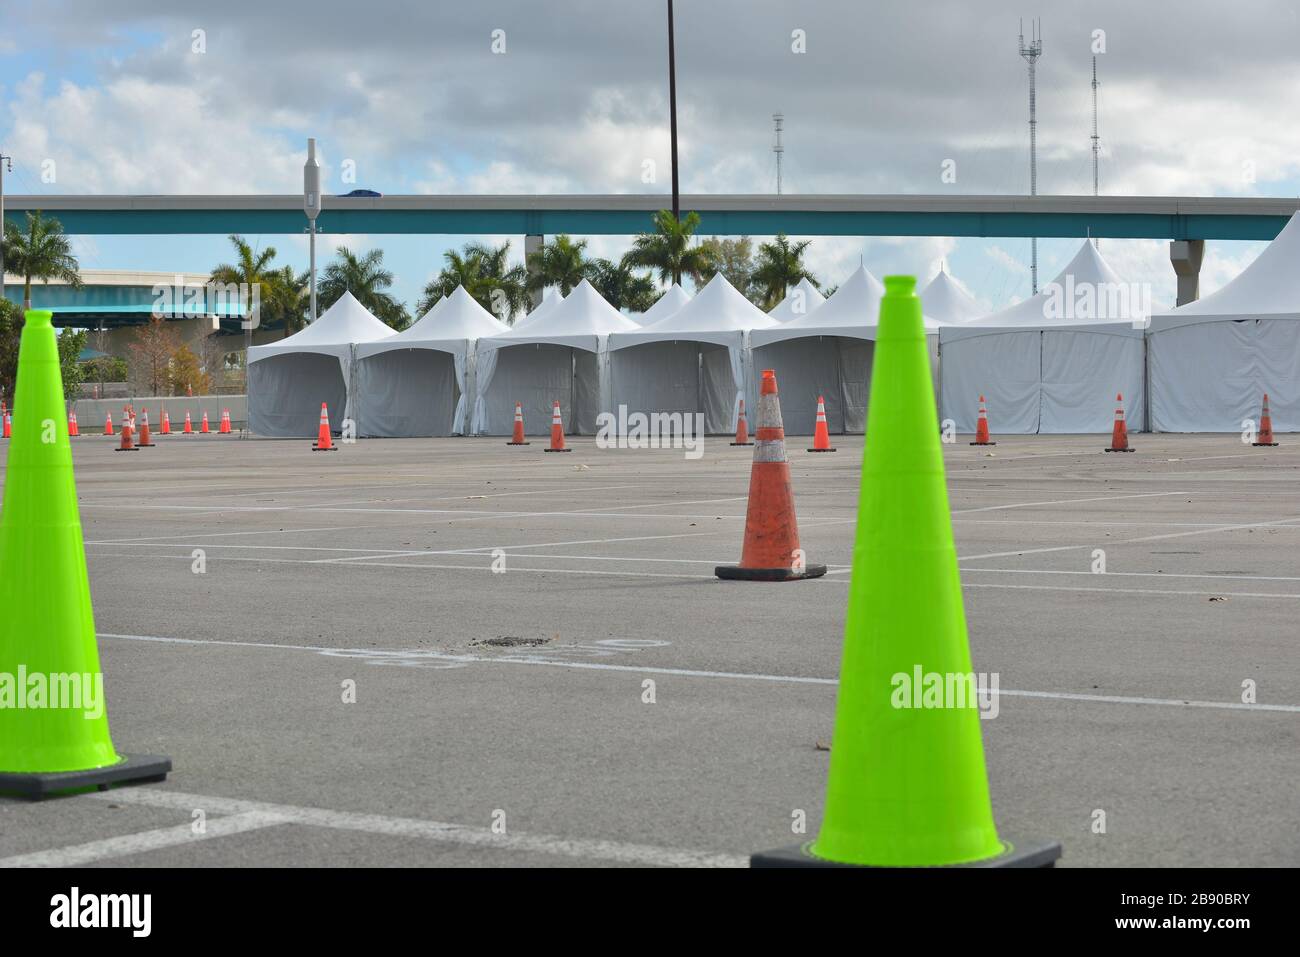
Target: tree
<point>286,299</point>
<point>780,266</point>
<point>621,287</point>
<point>485,274</point>
<point>42,252</point>
<point>250,269</point>
<point>71,342</point>
<point>366,278</point>
<point>11,326</point>
<point>154,346</point>
<point>734,259</point>
<point>561,262</point>
<point>185,371</point>
<point>668,249</point>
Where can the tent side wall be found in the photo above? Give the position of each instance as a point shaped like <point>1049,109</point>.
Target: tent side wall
<point>1003,367</point>
<point>532,374</point>
<point>406,392</point>
<point>1081,374</point>
<point>656,377</point>
<point>811,366</point>
<point>285,393</point>
<point>1211,376</point>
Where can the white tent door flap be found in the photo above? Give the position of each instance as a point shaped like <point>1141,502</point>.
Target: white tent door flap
<point>285,393</point>
<point>718,388</point>
<point>534,375</point>
<point>656,377</point>
<point>1211,377</point>
<point>1005,368</point>
<point>1082,373</point>
<point>408,392</point>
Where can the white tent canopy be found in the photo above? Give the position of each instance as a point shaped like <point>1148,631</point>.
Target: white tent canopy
<point>943,299</point>
<point>1055,361</point>
<point>827,354</point>
<point>692,361</point>
<point>664,306</point>
<point>798,302</point>
<point>1211,360</point>
<point>289,379</point>
<point>557,355</point>
<point>546,305</point>
<point>416,382</point>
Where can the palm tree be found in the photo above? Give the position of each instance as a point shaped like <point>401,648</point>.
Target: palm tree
<point>668,248</point>
<point>250,269</point>
<point>486,274</point>
<point>286,299</point>
<point>780,266</point>
<point>42,252</point>
<point>621,287</point>
<point>366,278</point>
<point>558,263</point>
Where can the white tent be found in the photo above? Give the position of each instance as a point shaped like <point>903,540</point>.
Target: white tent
<point>289,379</point>
<point>944,300</point>
<point>558,355</point>
<point>798,302</point>
<point>546,305</point>
<point>692,361</point>
<point>664,306</point>
<point>1055,361</point>
<point>826,352</point>
<point>416,382</point>
<point>1211,360</point>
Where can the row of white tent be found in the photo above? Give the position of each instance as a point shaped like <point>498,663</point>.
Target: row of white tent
<point>459,370</point>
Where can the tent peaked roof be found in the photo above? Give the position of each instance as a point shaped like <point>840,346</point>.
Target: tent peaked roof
<point>448,326</point>
<point>665,306</point>
<point>338,327</point>
<point>1055,304</point>
<point>542,308</point>
<point>945,300</point>
<point>853,311</point>
<point>578,321</point>
<point>1268,288</point>
<point>718,314</point>
<point>805,296</point>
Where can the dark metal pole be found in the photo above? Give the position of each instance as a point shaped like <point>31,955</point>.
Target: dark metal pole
<point>672,108</point>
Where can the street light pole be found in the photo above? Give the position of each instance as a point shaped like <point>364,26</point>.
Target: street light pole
<point>4,161</point>
<point>311,201</point>
<point>672,108</point>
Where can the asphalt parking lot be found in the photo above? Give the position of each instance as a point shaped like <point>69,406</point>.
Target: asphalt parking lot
<point>496,613</point>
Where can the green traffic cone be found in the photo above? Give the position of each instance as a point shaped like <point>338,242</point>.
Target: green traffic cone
<point>53,723</point>
<point>907,785</point>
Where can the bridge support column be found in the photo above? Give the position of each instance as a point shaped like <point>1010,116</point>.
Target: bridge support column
<point>533,244</point>
<point>1186,255</point>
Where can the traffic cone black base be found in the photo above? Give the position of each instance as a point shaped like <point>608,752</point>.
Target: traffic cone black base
<point>519,443</point>
<point>983,443</point>
<point>1028,854</point>
<point>740,443</point>
<point>1261,445</point>
<point>317,448</point>
<point>554,450</point>
<point>823,450</point>
<point>1119,450</point>
<point>132,769</point>
<point>736,573</point>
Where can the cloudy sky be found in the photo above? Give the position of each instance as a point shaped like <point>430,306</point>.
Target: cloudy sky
<point>126,97</point>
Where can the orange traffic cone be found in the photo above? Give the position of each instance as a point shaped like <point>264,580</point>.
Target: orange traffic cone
<point>1119,437</point>
<point>557,431</point>
<point>224,428</point>
<point>73,430</point>
<point>189,428</point>
<point>518,437</point>
<point>821,434</point>
<point>166,424</point>
<point>323,441</point>
<point>8,425</point>
<point>128,438</point>
<point>771,551</point>
<point>982,426</point>
<point>144,442</point>
<point>108,423</point>
<point>203,425</point>
<point>742,427</point>
<point>1265,436</point>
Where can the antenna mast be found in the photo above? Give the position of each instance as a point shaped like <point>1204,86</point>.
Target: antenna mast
<point>1095,138</point>
<point>778,121</point>
<point>1031,53</point>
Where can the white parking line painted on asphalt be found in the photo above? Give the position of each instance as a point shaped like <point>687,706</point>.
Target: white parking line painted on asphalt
<point>436,831</point>
<point>144,841</point>
<point>164,539</point>
<point>524,659</point>
<point>1113,574</point>
<point>1064,501</point>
